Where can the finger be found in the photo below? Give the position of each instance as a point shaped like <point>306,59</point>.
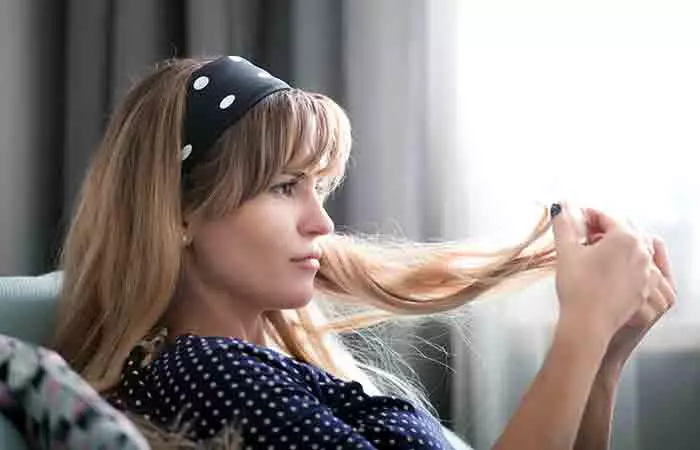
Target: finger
<point>668,292</point>
<point>657,304</point>
<point>661,297</point>
<point>651,310</point>
<point>594,237</point>
<point>661,260</point>
<point>579,222</point>
<point>657,300</point>
<point>565,233</point>
<point>645,315</point>
<point>599,222</point>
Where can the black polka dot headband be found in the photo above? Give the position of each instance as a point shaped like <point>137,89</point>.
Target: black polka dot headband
<point>219,94</point>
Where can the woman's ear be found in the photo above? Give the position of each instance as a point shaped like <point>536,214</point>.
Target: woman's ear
<point>186,233</point>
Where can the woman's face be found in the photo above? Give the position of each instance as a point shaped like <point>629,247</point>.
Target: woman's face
<point>265,254</point>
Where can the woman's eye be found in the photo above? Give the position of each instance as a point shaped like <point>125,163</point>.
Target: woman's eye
<point>286,189</point>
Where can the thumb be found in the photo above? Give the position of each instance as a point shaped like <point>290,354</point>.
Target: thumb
<point>565,231</point>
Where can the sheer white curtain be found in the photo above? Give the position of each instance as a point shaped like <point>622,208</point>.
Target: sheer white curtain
<point>599,103</point>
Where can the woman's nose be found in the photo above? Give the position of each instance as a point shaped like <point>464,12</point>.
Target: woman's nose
<point>316,220</point>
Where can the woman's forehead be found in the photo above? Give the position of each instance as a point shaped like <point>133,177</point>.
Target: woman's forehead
<point>309,160</point>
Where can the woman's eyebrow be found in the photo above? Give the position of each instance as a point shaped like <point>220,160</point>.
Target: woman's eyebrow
<point>297,175</point>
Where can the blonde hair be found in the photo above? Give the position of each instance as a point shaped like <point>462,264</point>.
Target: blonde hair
<point>122,255</point>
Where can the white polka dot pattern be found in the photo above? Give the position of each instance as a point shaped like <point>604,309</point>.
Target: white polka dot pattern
<point>277,402</point>
<point>227,101</point>
<point>186,151</point>
<point>200,83</point>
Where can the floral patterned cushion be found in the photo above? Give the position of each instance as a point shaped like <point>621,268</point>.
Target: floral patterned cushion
<point>53,407</point>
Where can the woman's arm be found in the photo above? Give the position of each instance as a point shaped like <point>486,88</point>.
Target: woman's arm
<point>551,411</point>
<point>600,286</point>
<point>596,425</point>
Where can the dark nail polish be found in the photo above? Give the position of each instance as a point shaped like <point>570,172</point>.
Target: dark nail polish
<point>554,210</point>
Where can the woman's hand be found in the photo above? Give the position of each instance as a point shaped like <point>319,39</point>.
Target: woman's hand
<point>600,286</point>
<point>661,298</point>
<point>596,424</point>
<point>603,284</point>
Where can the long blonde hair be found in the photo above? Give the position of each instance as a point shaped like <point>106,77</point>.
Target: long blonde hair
<point>122,255</point>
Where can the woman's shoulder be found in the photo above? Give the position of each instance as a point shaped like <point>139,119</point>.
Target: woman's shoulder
<point>237,358</point>
<point>200,370</point>
<point>211,382</point>
<point>208,381</point>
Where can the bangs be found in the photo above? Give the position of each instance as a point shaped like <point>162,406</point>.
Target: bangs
<point>290,131</point>
<point>317,137</point>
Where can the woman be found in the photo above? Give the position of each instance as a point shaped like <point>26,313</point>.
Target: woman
<point>200,240</point>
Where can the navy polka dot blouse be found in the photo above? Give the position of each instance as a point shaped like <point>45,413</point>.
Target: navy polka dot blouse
<point>274,401</point>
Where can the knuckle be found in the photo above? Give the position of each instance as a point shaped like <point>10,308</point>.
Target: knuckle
<point>640,251</point>
<point>628,239</point>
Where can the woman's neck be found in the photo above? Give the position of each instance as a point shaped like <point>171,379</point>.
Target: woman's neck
<point>200,310</point>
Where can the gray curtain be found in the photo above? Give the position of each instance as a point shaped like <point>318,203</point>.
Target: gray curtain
<point>110,43</point>
<point>68,63</point>
<point>31,132</point>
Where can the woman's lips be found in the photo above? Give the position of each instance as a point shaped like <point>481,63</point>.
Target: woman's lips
<point>310,263</point>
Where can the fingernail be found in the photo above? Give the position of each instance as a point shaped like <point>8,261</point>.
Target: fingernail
<point>554,210</point>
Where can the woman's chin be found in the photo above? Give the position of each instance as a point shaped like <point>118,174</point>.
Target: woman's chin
<point>295,301</point>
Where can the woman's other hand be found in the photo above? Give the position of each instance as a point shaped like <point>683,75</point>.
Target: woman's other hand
<point>603,284</point>
<point>661,298</point>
